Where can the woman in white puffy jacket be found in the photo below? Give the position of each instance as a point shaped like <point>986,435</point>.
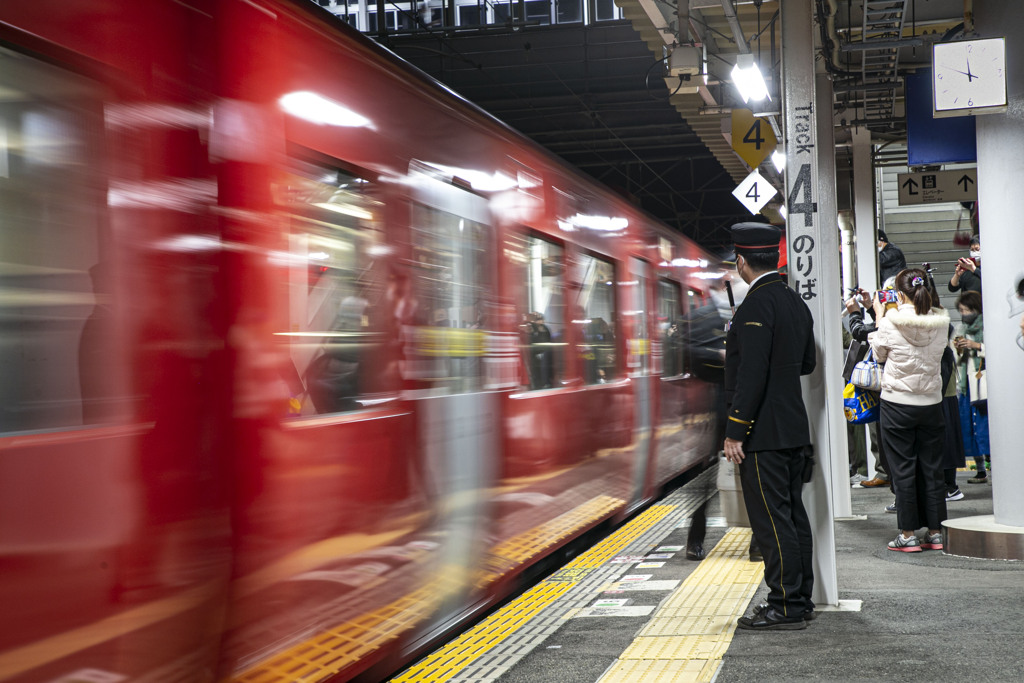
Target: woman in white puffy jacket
<point>910,341</point>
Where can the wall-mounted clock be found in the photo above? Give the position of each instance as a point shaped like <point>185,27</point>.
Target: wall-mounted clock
<point>969,77</point>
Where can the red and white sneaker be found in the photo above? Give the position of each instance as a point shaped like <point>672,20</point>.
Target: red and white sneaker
<point>908,545</point>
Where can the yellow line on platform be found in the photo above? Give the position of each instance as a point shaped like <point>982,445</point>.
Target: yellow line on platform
<point>453,658</point>
<point>686,638</point>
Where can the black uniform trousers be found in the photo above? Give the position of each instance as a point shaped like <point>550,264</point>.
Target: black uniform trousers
<point>914,437</point>
<point>772,482</point>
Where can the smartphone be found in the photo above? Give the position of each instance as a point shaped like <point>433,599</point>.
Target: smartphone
<point>887,296</point>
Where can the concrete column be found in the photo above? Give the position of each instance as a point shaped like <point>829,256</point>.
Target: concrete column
<point>864,210</point>
<point>1000,178</point>
<point>812,237</point>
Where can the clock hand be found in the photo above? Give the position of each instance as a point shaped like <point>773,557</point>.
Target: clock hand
<point>965,73</point>
<point>970,76</point>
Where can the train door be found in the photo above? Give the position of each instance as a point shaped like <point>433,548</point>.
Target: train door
<point>638,363</point>
<point>450,239</point>
<point>669,451</point>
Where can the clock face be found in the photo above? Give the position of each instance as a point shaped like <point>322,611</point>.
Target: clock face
<point>969,77</point>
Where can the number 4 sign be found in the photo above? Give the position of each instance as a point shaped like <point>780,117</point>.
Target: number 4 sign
<point>754,192</point>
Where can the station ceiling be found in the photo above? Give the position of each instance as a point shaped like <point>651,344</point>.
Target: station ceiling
<point>598,95</point>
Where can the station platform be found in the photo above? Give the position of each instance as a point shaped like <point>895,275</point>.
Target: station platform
<point>633,608</point>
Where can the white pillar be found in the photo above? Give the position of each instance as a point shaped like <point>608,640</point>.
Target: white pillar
<point>864,210</point>
<point>812,238</point>
<point>1000,174</point>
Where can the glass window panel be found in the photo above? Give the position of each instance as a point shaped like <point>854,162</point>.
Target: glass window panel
<point>58,344</point>
<point>671,324</point>
<point>334,289</point>
<point>606,10</point>
<point>449,253</point>
<point>569,11</point>
<point>543,331</point>
<point>470,15</point>
<point>502,12</point>
<point>597,301</point>
<point>538,11</point>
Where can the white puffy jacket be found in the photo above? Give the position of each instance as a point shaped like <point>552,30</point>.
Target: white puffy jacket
<point>911,347</point>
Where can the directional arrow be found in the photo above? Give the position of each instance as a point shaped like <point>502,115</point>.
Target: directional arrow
<point>966,181</point>
<point>912,185</point>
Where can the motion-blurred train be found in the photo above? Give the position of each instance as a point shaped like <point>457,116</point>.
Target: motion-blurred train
<point>305,359</point>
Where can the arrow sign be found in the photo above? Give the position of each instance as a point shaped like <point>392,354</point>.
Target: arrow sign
<point>934,187</point>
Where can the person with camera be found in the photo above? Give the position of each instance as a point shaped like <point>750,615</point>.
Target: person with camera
<point>970,345</point>
<point>910,342</point>
<point>967,277</point>
<point>769,345</point>
<point>890,258</point>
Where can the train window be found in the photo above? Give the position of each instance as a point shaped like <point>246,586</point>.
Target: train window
<point>58,345</point>
<point>334,291</point>
<point>671,324</point>
<point>597,301</point>
<point>449,252</point>
<point>543,326</point>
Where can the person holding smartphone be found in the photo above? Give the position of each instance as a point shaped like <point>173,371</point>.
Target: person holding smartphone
<point>967,277</point>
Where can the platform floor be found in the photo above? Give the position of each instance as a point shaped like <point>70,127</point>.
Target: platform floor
<point>607,617</point>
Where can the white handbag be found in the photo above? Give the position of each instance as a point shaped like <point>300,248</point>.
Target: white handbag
<point>867,374</point>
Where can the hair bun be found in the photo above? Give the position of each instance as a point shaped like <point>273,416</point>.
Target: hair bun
<point>917,281</point>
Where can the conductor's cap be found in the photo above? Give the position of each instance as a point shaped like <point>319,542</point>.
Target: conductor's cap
<point>751,238</point>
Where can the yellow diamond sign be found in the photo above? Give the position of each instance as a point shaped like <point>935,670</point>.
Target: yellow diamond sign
<point>752,137</point>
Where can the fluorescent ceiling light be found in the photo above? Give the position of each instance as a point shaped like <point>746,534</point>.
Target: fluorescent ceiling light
<point>748,79</point>
<point>779,160</point>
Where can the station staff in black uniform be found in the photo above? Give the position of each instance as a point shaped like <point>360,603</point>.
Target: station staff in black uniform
<point>769,346</point>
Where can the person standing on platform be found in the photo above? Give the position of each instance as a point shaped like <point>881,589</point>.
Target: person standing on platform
<point>890,258</point>
<point>910,342</point>
<point>770,344</point>
<point>967,277</point>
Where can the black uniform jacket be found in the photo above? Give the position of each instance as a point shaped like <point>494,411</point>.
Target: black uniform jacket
<point>769,346</point>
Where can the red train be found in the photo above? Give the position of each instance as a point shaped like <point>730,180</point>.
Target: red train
<point>305,359</point>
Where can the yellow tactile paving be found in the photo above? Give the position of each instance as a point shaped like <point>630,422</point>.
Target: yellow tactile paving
<point>613,545</point>
<point>661,671</point>
<point>691,631</point>
<point>460,653</point>
<point>512,553</point>
<point>337,648</point>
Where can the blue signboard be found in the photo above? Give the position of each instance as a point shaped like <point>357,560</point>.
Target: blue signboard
<point>931,140</point>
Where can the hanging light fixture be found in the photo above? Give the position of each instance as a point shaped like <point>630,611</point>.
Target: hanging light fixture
<point>747,78</point>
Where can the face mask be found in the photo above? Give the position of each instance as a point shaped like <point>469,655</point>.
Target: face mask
<point>976,254</point>
<point>968,318</point>
<point>881,248</point>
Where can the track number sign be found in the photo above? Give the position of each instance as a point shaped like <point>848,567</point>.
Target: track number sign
<point>754,192</point>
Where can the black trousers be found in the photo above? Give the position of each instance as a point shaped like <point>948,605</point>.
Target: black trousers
<point>914,437</point>
<point>772,481</point>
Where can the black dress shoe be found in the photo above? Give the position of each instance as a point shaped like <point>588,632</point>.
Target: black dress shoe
<point>810,614</point>
<point>766,618</point>
<point>695,552</point>
<point>756,556</point>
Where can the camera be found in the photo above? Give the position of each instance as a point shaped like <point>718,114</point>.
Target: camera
<point>887,296</point>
